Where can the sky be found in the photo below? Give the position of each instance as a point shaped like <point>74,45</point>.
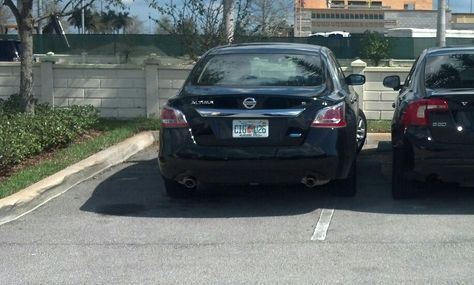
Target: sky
<point>141,9</point>
<point>457,6</point>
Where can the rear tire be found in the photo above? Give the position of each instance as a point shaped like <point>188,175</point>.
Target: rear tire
<point>361,130</point>
<point>345,187</point>
<point>402,186</point>
<point>175,190</point>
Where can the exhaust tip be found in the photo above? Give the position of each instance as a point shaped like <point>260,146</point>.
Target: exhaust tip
<point>188,182</point>
<point>309,181</point>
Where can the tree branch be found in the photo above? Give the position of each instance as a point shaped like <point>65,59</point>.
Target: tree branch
<point>14,10</point>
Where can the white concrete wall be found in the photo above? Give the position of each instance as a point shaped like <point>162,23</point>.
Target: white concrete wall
<point>377,99</point>
<point>10,79</point>
<point>116,91</point>
<point>129,91</point>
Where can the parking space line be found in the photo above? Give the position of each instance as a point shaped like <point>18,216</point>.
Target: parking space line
<point>323,225</point>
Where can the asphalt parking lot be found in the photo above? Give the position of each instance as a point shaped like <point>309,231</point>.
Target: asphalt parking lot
<point>120,228</point>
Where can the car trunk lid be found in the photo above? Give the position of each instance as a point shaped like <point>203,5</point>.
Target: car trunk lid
<point>456,124</point>
<point>251,117</point>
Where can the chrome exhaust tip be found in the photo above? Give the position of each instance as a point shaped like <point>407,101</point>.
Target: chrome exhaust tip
<point>188,182</point>
<point>309,181</point>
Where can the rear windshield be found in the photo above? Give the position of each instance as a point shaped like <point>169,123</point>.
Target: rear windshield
<point>450,71</point>
<point>261,70</point>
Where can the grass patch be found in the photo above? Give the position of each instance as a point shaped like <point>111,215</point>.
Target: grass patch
<point>113,131</point>
<point>378,126</point>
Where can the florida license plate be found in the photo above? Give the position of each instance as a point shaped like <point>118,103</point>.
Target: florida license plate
<point>250,128</point>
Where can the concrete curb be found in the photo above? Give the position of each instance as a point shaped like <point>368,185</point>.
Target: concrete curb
<point>378,141</point>
<point>36,195</point>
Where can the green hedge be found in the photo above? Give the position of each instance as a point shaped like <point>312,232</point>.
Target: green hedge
<point>24,135</point>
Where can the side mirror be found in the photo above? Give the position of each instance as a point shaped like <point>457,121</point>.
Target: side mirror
<point>355,79</point>
<point>393,82</point>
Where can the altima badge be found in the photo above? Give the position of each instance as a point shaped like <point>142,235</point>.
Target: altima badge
<point>249,103</point>
<point>202,102</point>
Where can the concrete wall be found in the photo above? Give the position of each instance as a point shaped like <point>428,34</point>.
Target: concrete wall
<point>377,100</point>
<point>129,91</point>
<point>10,79</point>
<point>118,91</point>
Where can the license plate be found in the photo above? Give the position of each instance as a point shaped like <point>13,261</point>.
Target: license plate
<point>250,128</point>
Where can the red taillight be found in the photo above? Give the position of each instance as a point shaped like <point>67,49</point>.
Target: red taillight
<point>330,117</point>
<point>172,118</point>
<point>416,113</point>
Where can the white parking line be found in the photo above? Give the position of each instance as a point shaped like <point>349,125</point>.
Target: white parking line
<point>323,225</point>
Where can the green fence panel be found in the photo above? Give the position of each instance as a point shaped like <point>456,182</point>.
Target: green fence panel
<point>109,44</point>
<point>170,45</point>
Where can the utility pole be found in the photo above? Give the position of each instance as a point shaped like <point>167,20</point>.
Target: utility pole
<point>300,15</point>
<point>40,5</point>
<point>83,17</point>
<point>441,31</point>
<point>229,20</point>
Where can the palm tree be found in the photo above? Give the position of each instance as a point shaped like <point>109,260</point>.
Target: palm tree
<point>90,20</point>
<point>122,21</point>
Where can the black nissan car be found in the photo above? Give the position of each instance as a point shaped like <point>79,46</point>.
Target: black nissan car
<point>433,123</point>
<point>255,114</point>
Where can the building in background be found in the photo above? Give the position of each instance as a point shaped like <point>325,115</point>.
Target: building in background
<point>357,16</point>
<point>462,21</point>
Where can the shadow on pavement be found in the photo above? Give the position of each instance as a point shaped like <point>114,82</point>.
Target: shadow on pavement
<point>374,191</point>
<point>138,191</point>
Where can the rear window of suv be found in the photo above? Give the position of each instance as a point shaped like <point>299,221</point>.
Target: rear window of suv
<point>261,70</point>
<point>450,71</point>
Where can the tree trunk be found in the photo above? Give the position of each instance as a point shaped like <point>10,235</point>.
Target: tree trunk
<point>25,30</point>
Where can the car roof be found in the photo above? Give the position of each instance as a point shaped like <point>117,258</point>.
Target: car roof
<point>267,48</point>
<point>450,50</point>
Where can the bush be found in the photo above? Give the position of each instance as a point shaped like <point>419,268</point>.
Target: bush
<point>374,47</point>
<point>24,135</point>
<point>10,106</point>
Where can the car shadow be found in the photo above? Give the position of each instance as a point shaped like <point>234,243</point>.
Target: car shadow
<point>374,191</point>
<point>138,191</point>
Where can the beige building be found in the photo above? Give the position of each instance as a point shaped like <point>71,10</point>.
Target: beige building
<point>387,4</point>
<point>462,21</point>
<point>357,16</point>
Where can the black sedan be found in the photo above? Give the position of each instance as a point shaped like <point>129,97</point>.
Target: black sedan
<point>261,114</point>
<point>433,123</point>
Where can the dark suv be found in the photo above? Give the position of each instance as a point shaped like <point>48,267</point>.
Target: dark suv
<point>433,123</point>
<point>10,50</point>
<point>261,114</point>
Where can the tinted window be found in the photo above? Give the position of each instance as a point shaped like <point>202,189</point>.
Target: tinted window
<point>261,70</point>
<point>450,71</point>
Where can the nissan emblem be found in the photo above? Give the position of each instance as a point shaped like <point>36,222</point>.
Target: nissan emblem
<point>249,103</point>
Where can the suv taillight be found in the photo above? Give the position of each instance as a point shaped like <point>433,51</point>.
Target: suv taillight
<point>330,117</point>
<point>173,118</point>
<point>416,114</point>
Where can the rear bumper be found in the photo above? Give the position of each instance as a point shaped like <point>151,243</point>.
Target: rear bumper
<point>268,171</point>
<point>447,162</point>
<point>180,156</point>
